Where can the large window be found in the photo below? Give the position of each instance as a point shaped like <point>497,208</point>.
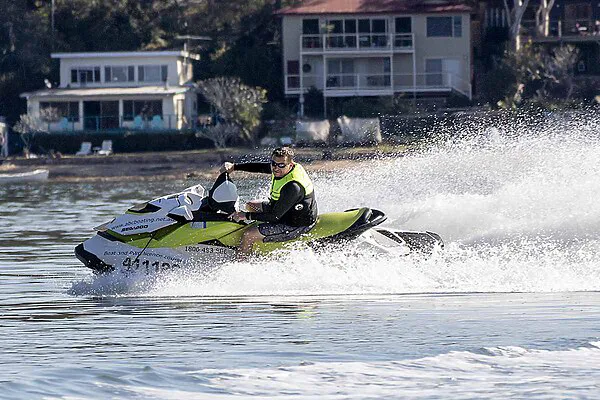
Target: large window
<point>340,73</point>
<point>444,26</point>
<point>403,25</point>
<point>83,75</point>
<point>372,32</point>
<point>310,26</point>
<point>342,33</point>
<point>152,73</point>
<point>143,108</point>
<point>64,109</point>
<point>121,73</point>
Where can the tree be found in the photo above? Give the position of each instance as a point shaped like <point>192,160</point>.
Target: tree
<point>538,76</point>
<point>30,125</point>
<point>542,17</point>
<point>514,16</point>
<point>523,67</point>
<point>559,73</point>
<point>236,103</point>
<point>220,134</point>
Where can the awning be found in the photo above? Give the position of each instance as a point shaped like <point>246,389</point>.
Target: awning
<point>109,91</point>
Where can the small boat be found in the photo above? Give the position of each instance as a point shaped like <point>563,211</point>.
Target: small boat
<point>37,175</point>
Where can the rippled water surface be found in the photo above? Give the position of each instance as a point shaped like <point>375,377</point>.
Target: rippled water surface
<point>511,307</point>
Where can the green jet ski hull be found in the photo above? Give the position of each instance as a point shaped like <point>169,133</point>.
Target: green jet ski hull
<point>213,237</point>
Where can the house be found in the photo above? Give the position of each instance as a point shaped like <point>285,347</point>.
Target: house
<point>574,22</point>
<point>119,90</point>
<point>377,47</point>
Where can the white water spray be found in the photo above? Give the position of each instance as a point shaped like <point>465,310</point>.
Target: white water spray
<point>518,207</point>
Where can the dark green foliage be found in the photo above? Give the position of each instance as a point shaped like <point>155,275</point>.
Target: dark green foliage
<point>245,38</point>
<point>24,54</point>
<point>123,142</point>
<point>313,103</point>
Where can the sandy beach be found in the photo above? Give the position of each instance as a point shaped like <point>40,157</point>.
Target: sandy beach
<point>180,165</point>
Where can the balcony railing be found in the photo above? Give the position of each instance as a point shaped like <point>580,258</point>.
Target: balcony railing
<point>380,83</point>
<point>117,123</point>
<point>584,27</point>
<point>339,42</point>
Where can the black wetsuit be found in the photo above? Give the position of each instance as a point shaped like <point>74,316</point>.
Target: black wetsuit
<point>283,210</point>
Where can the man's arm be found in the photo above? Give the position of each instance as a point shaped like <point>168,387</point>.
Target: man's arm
<point>260,167</point>
<point>291,193</point>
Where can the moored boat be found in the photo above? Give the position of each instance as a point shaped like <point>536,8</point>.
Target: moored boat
<point>37,175</point>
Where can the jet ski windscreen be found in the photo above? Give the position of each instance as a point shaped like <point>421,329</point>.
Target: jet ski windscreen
<point>223,195</point>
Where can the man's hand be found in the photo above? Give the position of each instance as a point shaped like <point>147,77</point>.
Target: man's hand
<point>238,216</point>
<point>227,167</point>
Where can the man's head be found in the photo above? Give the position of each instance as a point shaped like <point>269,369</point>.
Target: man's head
<point>282,161</point>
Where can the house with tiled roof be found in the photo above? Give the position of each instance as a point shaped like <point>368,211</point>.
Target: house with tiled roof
<point>377,48</point>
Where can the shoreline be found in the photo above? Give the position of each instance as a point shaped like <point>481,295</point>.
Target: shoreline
<point>191,164</point>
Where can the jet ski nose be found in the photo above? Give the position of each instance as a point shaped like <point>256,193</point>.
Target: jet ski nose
<point>90,260</point>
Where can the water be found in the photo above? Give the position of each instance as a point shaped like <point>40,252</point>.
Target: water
<point>509,309</point>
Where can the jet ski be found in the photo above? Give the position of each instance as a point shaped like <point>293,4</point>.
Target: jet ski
<point>192,228</point>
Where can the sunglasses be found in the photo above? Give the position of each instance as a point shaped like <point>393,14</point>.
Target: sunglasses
<point>279,165</point>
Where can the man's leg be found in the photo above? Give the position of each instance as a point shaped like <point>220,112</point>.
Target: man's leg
<point>250,236</point>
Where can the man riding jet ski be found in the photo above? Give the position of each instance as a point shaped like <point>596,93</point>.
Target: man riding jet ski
<point>191,228</point>
<point>291,210</point>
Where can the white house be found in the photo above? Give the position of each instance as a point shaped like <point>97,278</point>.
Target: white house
<point>377,47</point>
<point>118,90</point>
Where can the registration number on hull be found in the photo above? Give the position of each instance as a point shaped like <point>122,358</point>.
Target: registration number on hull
<point>147,266</point>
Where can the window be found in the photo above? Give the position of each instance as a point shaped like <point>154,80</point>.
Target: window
<point>340,73</point>
<point>119,74</point>
<point>364,25</point>
<point>457,25</point>
<point>373,32</point>
<point>152,73</point>
<point>293,67</point>
<point>403,25</point>
<point>145,108</point>
<point>343,33</point>
<point>83,75</point>
<point>444,26</point>
<point>350,26</point>
<point>378,26</point>
<point>335,26</point>
<point>433,72</point>
<point>68,109</point>
<point>310,27</point>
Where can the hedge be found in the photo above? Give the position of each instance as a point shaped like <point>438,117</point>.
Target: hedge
<point>123,142</point>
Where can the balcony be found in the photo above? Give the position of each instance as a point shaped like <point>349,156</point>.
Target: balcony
<point>117,123</point>
<point>575,30</point>
<point>353,84</point>
<point>367,42</point>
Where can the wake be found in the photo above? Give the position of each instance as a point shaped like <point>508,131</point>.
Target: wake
<point>516,204</point>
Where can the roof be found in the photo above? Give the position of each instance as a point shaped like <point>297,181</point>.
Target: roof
<point>128,54</point>
<point>376,7</point>
<point>109,91</point>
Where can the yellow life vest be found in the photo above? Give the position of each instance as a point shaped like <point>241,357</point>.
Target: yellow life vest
<point>297,174</point>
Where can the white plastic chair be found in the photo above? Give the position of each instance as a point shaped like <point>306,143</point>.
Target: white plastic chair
<point>85,150</point>
<point>106,149</point>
